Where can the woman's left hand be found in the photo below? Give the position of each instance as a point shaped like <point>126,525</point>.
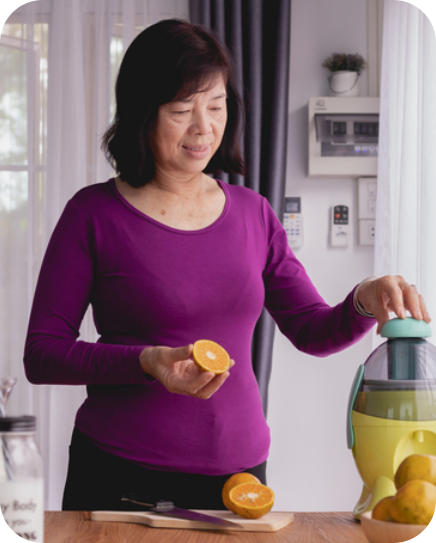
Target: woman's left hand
<point>391,293</point>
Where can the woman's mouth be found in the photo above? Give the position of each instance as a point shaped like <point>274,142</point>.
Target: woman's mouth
<point>197,151</point>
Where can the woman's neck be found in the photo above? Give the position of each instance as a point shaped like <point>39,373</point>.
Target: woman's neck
<point>171,189</point>
<point>186,206</point>
<point>189,187</point>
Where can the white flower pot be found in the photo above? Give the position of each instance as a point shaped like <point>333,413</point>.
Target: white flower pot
<point>344,83</point>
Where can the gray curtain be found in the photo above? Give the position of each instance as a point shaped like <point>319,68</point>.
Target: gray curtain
<point>257,33</point>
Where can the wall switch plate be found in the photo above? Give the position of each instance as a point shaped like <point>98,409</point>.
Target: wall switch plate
<point>366,231</point>
<point>367,196</point>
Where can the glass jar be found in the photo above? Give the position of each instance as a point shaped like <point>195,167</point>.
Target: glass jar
<point>21,478</point>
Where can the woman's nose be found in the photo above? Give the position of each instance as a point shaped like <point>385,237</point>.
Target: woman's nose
<point>201,123</point>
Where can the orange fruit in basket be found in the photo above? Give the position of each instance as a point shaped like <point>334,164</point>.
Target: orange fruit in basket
<point>416,466</point>
<point>414,502</point>
<point>251,500</point>
<point>210,356</point>
<point>233,480</point>
<point>381,510</point>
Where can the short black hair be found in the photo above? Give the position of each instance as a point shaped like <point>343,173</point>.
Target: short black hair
<point>170,59</point>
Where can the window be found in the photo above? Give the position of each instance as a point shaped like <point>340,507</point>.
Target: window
<point>23,106</point>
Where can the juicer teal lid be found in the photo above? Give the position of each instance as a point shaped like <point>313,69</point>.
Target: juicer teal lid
<point>408,327</point>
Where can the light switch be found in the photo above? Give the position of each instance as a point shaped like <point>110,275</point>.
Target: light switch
<point>367,196</point>
<point>366,231</point>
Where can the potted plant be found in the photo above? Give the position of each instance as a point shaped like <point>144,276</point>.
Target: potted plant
<point>345,71</point>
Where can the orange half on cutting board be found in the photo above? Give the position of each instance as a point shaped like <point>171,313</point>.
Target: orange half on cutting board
<point>233,480</point>
<point>251,500</point>
<point>210,356</point>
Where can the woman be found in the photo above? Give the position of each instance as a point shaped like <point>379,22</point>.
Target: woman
<point>167,255</point>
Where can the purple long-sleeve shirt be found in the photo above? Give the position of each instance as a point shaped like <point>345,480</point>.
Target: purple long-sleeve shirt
<point>150,284</point>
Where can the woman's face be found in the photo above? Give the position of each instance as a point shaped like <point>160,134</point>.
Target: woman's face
<point>188,132</point>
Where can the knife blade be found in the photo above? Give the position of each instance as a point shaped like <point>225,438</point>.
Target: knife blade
<point>168,508</point>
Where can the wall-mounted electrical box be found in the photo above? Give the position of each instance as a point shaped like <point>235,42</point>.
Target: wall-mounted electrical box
<point>343,136</point>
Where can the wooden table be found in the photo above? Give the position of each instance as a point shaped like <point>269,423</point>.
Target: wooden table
<point>72,527</point>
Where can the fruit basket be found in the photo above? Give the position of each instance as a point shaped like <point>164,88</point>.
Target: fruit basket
<point>381,531</point>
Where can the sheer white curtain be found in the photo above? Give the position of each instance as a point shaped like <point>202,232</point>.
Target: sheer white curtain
<point>59,62</point>
<point>405,214</point>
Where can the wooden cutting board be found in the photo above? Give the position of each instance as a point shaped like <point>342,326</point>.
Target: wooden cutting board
<point>271,522</point>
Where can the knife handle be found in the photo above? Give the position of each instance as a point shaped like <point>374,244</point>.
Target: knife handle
<point>161,506</point>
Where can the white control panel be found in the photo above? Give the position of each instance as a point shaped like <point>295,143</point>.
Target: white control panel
<point>293,221</point>
<point>367,196</point>
<point>339,226</point>
<point>343,136</point>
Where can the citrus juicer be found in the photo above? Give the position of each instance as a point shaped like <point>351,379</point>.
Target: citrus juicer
<point>392,408</point>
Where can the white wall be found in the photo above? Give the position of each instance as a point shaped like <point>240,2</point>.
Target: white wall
<point>310,467</point>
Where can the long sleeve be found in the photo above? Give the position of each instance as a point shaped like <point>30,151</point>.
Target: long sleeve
<point>53,353</point>
<point>300,312</point>
<point>150,284</point>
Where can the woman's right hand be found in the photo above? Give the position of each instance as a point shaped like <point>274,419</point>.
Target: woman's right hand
<point>178,373</point>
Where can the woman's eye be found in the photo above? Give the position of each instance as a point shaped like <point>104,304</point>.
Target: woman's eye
<point>216,108</point>
<point>181,112</point>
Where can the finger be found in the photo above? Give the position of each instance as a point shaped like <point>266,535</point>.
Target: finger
<point>209,390</point>
<point>180,353</point>
<point>381,322</point>
<point>402,283</point>
<point>189,385</point>
<point>424,311</point>
<point>198,380</point>
<point>393,298</point>
<point>382,316</point>
<point>214,384</point>
<point>412,302</point>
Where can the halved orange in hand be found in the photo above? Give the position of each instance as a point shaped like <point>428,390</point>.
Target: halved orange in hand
<point>251,500</point>
<point>233,480</point>
<point>210,356</point>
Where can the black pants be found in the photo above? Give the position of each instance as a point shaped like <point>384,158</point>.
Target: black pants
<point>97,480</point>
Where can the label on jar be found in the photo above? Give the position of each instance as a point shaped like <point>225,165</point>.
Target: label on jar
<point>22,505</point>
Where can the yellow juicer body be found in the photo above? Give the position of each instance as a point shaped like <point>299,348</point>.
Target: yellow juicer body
<point>380,445</point>
<point>392,408</point>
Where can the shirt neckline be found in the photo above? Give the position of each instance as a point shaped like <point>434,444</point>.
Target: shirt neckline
<point>159,224</point>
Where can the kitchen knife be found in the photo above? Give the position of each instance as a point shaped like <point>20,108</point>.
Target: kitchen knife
<point>168,508</point>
